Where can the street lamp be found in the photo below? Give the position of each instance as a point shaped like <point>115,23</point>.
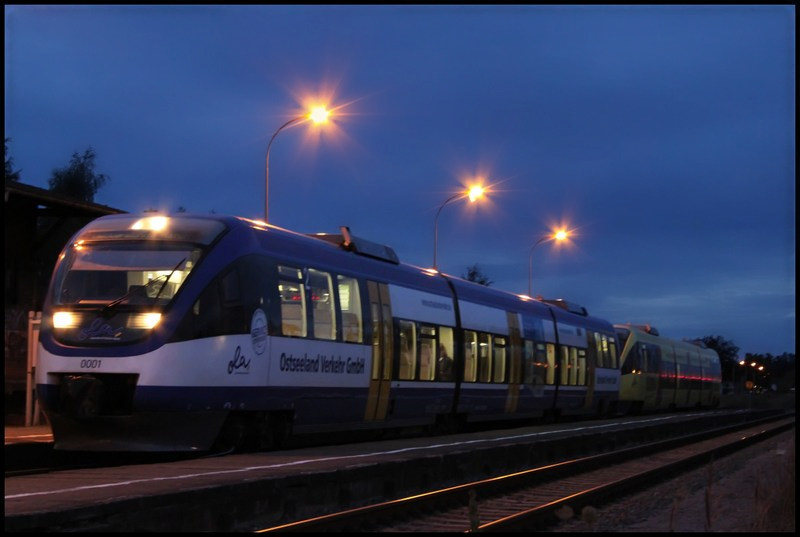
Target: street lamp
<point>317,115</point>
<point>557,236</point>
<point>474,194</point>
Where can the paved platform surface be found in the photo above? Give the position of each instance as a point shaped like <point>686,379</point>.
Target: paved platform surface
<point>34,433</point>
<point>243,492</point>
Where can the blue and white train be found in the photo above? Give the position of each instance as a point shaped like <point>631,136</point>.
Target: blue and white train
<point>200,332</point>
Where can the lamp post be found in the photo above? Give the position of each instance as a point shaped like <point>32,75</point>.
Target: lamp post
<point>474,193</point>
<point>317,115</point>
<point>557,236</point>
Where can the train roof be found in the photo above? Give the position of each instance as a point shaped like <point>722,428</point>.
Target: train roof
<point>373,259</point>
<point>648,331</point>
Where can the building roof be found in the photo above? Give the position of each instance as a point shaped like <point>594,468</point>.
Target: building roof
<point>48,198</point>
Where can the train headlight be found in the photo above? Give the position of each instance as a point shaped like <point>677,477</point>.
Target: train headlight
<point>143,321</point>
<point>152,223</point>
<point>65,319</point>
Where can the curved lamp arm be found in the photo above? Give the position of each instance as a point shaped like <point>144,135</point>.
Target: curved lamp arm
<point>436,225</point>
<point>530,262</point>
<point>266,166</point>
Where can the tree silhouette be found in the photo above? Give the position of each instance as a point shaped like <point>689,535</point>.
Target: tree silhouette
<point>475,274</point>
<point>727,352</point>
<point>11,175</point>
<point>78,180</point>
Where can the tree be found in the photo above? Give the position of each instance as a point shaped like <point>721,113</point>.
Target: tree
<point>78,180</point>
<point>728,353</point>
<point>10,174</point>
<point>475,274</point>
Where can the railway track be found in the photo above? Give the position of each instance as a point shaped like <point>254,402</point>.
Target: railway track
<point>532,499</point>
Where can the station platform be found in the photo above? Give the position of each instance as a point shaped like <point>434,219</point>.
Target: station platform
<point>246,492</point>
<point>33,433</point>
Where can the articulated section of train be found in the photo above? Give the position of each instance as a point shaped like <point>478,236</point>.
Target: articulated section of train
<point>199,332</point>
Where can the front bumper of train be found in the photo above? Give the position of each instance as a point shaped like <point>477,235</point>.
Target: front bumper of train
<point>98,413</point>
<point>139,432</point>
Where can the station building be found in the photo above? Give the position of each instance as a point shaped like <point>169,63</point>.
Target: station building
<point>38,224</point>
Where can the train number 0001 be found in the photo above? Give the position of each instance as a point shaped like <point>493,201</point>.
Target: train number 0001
<point>90,364</point>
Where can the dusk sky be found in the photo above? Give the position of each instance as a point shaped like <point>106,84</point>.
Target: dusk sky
<point>662,136</point>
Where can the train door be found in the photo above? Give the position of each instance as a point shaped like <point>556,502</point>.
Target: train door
<point>651,365</point>
<point>514,358</point>
<point>381,375</point>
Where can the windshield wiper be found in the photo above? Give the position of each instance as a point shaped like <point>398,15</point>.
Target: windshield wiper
<point>163,285</point>
<point>138,289</point>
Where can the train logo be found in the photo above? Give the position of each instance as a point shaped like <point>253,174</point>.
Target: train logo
<point>258,331</point>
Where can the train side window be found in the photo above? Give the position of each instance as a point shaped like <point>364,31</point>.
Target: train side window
<point>350,304</point>
<point>598,349</point>
<point>573,366</point>
<point>205,317</point>
<point>529,365</point>
<point>233,318</point>
<point>654,357</point>
<point>484,357</point>
<point>444,356</point>
<point>564,365</point>
<point>376,340</point>
<point>581,367</point>
<point>323,311</point>
<point>407,341</point>
<point>633,361</point>
<point>293,302</point>
<point>604,347</point>
<point>427,352</point>
<point>540,364</point>
<point>470,355</point>
<point>551,364</point>
<point>500,356</point>
<point>226,305</point>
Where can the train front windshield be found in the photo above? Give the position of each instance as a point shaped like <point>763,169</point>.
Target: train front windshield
<point>114,280</point>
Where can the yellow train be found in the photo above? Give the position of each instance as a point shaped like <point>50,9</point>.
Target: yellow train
<point>660,373</point>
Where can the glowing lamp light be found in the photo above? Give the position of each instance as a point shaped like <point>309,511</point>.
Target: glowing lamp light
<point>144,321</point>
<point>151,223</point>
<point>559,236</point>
<point>319,114</point>
<point>475,193</point>
<point>65,319</point>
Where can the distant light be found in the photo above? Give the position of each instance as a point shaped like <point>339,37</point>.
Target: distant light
<point>319,114</point>
<point>476,192</point>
